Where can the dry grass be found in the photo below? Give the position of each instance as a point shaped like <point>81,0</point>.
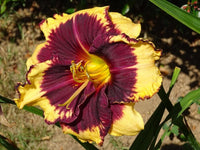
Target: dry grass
<point>18,41</point>
<point>14,51</point>
<point>28,130</point>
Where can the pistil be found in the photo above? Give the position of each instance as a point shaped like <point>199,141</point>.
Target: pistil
<point>95,70</point>
<point>76,93</point>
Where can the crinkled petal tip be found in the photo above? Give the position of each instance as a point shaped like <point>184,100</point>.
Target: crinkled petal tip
<point>125,25</point>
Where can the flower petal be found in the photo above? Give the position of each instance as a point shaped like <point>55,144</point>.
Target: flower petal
<point>50,85</point>
<point>32,91</point>
<point>97,13</point>
<point>69,37</point>
<point>43,56</point>
<point>148,75</point>
<point>59,86</point>
<point>95,121</point>
<point>125,25</point>
<point>134,75</point>
<point>31,94</point>
<point>126,120</point>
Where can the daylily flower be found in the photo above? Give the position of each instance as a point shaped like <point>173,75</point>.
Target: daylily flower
<point>90,72</point>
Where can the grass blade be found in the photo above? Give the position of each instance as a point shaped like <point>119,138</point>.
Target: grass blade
<point>176,114</point>
<point>166,101</point>
<point>186,18</point>
<point>174,78</point>
<point>187,101</point>
<point>147,135</point>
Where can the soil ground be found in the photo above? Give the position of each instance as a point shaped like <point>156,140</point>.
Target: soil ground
<point>20,34</point>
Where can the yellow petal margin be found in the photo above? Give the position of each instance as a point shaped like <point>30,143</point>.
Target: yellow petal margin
<point>33,59</point>
<point>52,23</point>
<point>32,95</point>
<point>88,135</point>
<point>148,75</point>
<point>125,25</point>
<point>130,123</point>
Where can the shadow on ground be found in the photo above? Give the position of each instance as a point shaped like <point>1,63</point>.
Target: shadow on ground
<point>175,147</point>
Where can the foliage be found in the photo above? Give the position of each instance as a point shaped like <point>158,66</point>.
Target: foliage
<point>186,18</point>
<point>7,5</point>
<point>192,7</point>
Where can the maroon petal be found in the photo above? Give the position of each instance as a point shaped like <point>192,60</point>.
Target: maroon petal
<point>95,119</point>
<point>120,58</point>
<point>58,84</point>
<point>72,39</point>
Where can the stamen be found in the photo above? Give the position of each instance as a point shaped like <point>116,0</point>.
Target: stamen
<point>78,72</point>
<point>94,70</point>
<point>76,93</point>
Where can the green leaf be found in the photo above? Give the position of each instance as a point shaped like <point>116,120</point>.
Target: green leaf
<point>146,136</point>
<point>152,127</point>
<point>174,78</point>
<point>165,98</point>
<point>175,130</point>
<point>34,110</point>
<point>167,132</point>
<point>70,10</point>
<point>125,9</point>
<point>166,102</point>
<point>166,126</point>
<point>7,143</point>
<point>86,145</point>
<point>189,99</point>
<point>3,7</point>
<point>6,100</point>
<point>187,146</point>
<point>179,14</point>
<point>176,114</point>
